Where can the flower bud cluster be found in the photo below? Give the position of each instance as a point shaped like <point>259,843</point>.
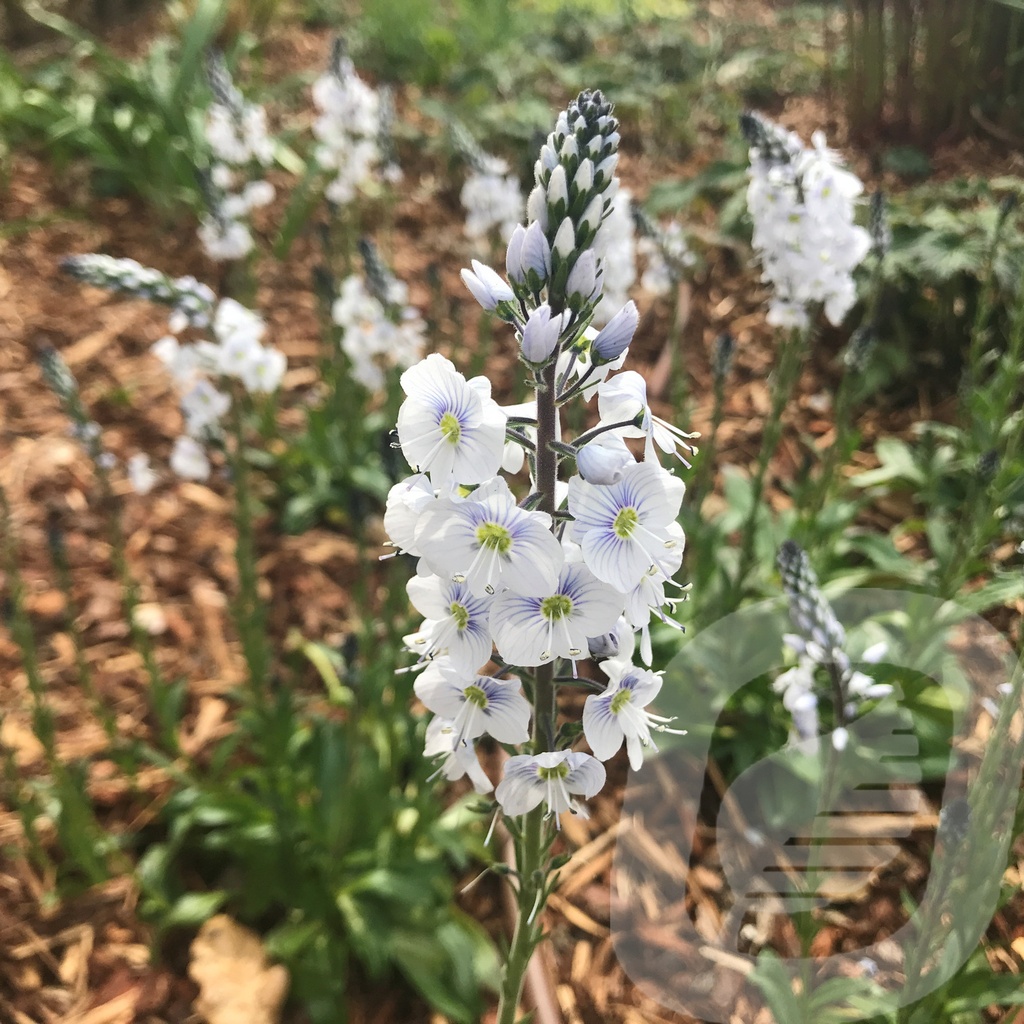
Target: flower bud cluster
<point>191,302</point>
<point>574,190</point>
<point>235,353</point>
<point>202,372</point>
<point>820,643</point>
<point>802,203</point>
<point>349,129</point>
<point>501,582</point>
<point>236,132</point>
<point>379,330</point>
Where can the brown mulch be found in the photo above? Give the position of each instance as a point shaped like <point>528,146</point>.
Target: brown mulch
<point>88,960</point>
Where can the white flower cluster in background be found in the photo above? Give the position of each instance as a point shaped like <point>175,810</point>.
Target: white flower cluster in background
<point>665,251</point>
<point>379,329</point>
<point>236,132</point>
<point>492,199</point>
<point>235,353</point>
<point>802,203</point>
<point>352,122</point>
<point>501,582</point>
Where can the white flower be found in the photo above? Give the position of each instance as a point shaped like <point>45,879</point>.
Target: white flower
<point>447,427</point>
<point>552,778</point>
<point>224,239</point>
<point>143,478</point>
<point>536,630</point>
<point>188,459</point>
<point>459,760</point>
<point>648,598</point>
<point>404,509</point>
<point>234,324</point>
<point>489,542</point>
<point>623,527</point>
<point>614,338</point>
<point>618,714</point>
<point>264,372</point>
<point>457,623</point>
<point>203,405</point>
<point>624,397</point>
<point>475,704</point>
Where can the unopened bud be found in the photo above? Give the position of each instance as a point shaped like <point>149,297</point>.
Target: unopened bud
<point>582,280</point>
<point>540,335</point>
<point>487,286</point>
<point>616,335</point>
<point>514,255</point>
<point>536,252</point>
<point>537,206</point>
<point>557,191</point>
<point>565,239</point>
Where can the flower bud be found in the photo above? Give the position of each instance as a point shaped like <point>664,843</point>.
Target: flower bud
<point>487,286</point>
<point>583,181</point>
<point>557,191</point>
<point>536,251</point>
<point>605,170</point>
<point>565,239</point>
<point>570,150</point>
<point>537,206</point>
<point>616,335</point>
<point>593,214</point>
<point>540,335</point>
<point>583,276</point>
<point>603,460</point>
<point>514,255</point>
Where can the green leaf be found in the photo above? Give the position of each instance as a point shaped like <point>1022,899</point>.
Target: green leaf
<point>995,593</point>
<point>773,980</point>
<point>194,908</point>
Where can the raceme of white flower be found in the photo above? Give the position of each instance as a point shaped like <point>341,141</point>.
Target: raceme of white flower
<point>567,560</point>
<point>348,130</point>
<point>802,204</point>
<point>203,369</point>
<point>191,302</point>
<point>236,132</point>
<point>377,336</point>
<point>492,199</point>
<point>820,643</point>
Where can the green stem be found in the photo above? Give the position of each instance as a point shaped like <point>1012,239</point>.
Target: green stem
<point>786,374</point>
<point>530,850</point>
<point>250,613</point>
